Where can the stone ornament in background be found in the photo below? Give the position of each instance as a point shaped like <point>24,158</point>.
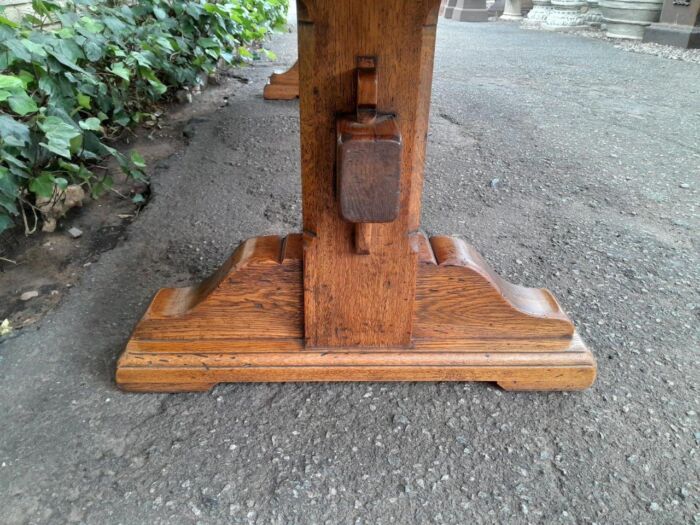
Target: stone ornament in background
<point>629,18</point>
<point>566,14</point>
<point>495,8</point>
<point>512,11</point>
<point>538,15</point>
<point>594,16</point>
<point>679,25</point>
<point>467,10</point>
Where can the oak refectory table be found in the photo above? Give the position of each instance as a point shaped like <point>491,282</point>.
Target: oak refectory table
<point>361,294</point>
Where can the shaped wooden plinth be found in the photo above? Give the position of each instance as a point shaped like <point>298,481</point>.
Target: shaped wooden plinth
<point>245,323</point>
<point>283,86</point>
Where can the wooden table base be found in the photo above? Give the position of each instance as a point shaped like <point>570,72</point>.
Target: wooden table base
<point>245,324</point>
<point>283,86</point>
<point>359,297</point>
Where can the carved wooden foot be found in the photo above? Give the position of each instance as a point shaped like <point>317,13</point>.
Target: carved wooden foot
<point>283,86</point>
<point>245,323</point>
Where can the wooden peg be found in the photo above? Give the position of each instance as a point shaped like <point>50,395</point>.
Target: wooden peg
<point>366,79</point>
<point>363,238</point>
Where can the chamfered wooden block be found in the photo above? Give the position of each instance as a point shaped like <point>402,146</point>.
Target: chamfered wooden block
<point>368,167</point>
<point>283,86</point>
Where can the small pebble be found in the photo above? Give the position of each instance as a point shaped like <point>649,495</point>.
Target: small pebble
<point>75,232</point>
<point>400,419</point>
<point>183,96</point>
<point>29,295</point>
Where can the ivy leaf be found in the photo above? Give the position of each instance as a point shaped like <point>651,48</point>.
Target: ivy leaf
<point>137,160</point>
<point>48,85</point>
<point>9,23</point>
<point>92,124</point>
<point>121,70</point>
<point>114,24</point>
<point>61,182</point>
<point>93,51</point>
<point>34,48</point>
<point>13,161</point>
<point>66,33</point>
<point>137,175</point>
<point>22,104</point>
<point>4,95</point>
<point>67,52</point>
<point>69,166</point>
<point>85,173</point>
<point>10,204</point>
<point>59,135</point>
<point>44,7</point>
<point>102,186</point>
<point>123,120</point>
<point>165,43</point>
<point>26,77</point>
<point>208,43</point>
<point>34,20</point>
<point>17,50</point>
<point>11,83</point>
<point>157,85</point>
<point>160,13</point>
<point>12,132</point>
<point>141,59</point>
<point>42,185</point>
<point>84,101</point>
<point>8,190</point>
<point>5,221</point>
<point>92,25</point>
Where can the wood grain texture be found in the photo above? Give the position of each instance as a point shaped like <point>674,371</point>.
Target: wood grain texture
<point>283,86</point>
<point>252,295</point>
<point>461,297</point>
<point>175,378</point>
<point>370,302</point>
<point>255,303</point>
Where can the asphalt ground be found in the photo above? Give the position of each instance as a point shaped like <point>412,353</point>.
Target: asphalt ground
<point>568,163</point>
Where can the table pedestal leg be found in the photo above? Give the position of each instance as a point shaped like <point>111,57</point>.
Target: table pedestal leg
<point>283,86</point>
<point>360,295</point>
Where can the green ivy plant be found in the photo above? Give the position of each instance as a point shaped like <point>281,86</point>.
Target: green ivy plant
<point>74,76</point>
